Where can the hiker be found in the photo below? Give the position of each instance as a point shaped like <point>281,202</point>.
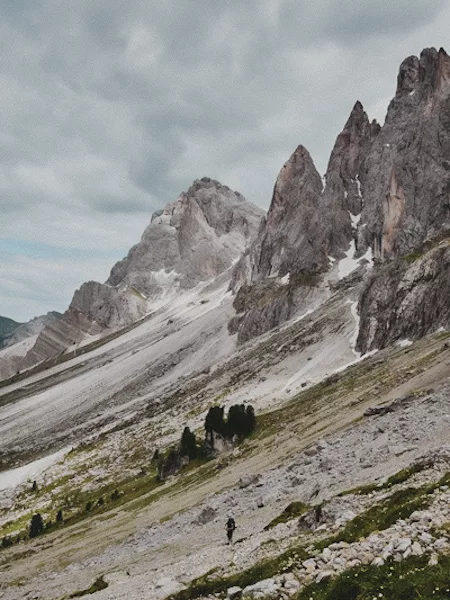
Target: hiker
<point>230,527</point>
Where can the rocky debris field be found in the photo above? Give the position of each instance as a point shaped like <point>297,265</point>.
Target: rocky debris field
<point>424,532</point>
<point>165,557</point>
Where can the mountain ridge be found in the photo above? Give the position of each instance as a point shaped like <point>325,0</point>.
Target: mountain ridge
<point>190,241</point>
<point>386,192</point>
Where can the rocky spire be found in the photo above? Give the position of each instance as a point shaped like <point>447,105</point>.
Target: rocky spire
<point>407,171</point>
<point>425,75</point>
<point>344,178</point>
<point>288,241</point>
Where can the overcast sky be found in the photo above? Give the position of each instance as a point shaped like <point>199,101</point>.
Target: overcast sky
<point>111,109</point>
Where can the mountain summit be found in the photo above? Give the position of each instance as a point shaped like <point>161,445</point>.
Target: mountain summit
<point>190,241</point>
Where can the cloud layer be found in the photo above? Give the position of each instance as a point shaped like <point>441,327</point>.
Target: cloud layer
<point>110,110</point>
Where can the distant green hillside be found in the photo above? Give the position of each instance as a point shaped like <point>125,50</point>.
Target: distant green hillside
<point>7,326</point>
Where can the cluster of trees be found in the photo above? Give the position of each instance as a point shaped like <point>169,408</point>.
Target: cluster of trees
<point>240,422</point>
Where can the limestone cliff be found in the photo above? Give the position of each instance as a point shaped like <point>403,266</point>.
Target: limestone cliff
<point>407,206</point>
<point>407,171</point>
<point>406,298</point>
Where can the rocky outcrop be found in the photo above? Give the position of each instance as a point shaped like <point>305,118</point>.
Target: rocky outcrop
<point>406,298</point>
<point>191,240</point>
<point>406,184</point>
<point>60,335</point>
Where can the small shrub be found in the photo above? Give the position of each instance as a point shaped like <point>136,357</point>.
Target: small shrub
<point>98,585</point>
<point>295,509</point>
<point>7,542</point>
<point>59,516</point>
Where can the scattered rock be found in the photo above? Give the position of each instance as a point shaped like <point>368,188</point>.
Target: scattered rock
<point>234,592</point>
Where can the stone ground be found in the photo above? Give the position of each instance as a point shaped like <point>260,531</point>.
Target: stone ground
<point>157,556</point>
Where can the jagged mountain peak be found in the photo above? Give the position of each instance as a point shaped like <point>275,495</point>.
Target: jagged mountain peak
<point>191,240</point>
<point>206,183</point>
<point>298,178</point>
<point>386,192</point>
<point>425,74</point>
<point>195,238</point>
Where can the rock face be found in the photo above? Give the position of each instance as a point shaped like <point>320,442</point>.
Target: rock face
<point>406,298</point>
<point>342,198</point>
<point>307,224</point>
<point>291,239</point>
<point>406,184</point>
<point>191,240</point>
<point>406,193</point>
<point>387,192</point>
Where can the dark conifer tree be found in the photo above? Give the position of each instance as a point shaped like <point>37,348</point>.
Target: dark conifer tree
<point>214,420</point>
<point>251,419</point>
<point>188,445</point>
<point>36,525</point>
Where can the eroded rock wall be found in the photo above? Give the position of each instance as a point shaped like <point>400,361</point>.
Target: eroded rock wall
<point>406,298</point>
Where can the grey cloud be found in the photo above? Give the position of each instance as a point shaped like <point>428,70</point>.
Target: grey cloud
<point>111,109</point>
<point>119,204</point>
<point>348,22</point>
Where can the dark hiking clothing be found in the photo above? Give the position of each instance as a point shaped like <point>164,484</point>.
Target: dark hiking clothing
<point>230,527</point>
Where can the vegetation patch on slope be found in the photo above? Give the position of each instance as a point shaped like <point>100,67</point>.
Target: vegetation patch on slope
<point>410,579</point>
<point>400,505</point>
<point>395,479</point>
<point>295,509</point>
<point>269,567</point>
